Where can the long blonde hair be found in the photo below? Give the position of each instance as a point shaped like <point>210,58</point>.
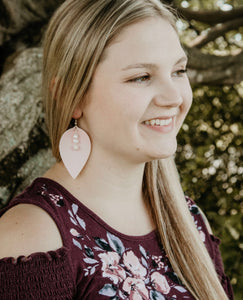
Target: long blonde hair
<point>74,44</point>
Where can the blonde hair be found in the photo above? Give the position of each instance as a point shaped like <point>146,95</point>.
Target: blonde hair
<point>77,36</point>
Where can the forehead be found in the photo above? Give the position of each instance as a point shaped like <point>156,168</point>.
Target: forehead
<point>152,38</point>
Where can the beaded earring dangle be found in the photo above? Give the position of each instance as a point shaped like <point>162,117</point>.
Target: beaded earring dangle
<point>75,148</point>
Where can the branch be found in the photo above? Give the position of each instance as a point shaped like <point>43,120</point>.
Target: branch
<point>215,32</point>
<point>214,70</point>
<point>211,17</point>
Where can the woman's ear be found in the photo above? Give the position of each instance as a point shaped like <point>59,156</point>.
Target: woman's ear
<point>77,113</point>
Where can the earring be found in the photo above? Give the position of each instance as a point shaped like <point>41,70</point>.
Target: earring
<point>74,147</point>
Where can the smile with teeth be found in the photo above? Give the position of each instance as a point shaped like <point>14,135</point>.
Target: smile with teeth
<point>159,122</point>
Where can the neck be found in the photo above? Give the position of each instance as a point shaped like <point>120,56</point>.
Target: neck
<point>111,189</point>
<point>103,180</point>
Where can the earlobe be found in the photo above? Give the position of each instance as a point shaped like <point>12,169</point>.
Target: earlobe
<point>77,113</point>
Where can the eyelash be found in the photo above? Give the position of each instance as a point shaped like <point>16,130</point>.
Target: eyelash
<point>146,78</point>
<point>180,72</point>
<point>140,79</point>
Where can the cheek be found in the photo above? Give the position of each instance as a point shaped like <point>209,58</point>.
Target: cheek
<point>107,113</point>
<point>185,106</point>
<point>125,107</point>
<point>187,99</point>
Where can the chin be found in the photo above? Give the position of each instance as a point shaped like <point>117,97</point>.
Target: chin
<point>164,153</point>
<point>162,156</point>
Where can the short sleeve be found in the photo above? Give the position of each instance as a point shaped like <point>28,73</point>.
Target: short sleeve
<point>38,276</point>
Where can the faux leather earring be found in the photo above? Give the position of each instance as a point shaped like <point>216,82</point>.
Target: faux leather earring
<point>74,147</point>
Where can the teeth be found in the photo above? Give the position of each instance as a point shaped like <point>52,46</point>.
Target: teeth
<point>159,122</point>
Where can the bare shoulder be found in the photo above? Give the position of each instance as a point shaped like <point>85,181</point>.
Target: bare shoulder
<point>205,221</point>
<point>26,229</point>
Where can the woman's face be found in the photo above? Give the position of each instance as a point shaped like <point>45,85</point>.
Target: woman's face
<point>140,94</point>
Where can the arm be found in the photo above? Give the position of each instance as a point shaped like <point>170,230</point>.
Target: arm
<point>33,263</point>
<point>25,229</point>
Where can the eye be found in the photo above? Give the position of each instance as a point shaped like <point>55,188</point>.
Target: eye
<point>179,73</point>
<point>140,79</point>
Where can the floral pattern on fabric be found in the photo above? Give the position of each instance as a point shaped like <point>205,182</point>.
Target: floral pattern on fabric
<point>195,211</point>
<point>55,198</point>
<point>129,276</point>
<point>123,272</point>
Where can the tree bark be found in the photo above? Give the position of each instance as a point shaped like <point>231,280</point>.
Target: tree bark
<point>216,31</point>
<point>209,68</point>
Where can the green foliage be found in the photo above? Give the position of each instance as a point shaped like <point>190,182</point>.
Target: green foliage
<point>210,163</point>
<point>210,144</point>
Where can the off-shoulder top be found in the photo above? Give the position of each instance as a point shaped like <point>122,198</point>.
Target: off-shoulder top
<point>96,261</point>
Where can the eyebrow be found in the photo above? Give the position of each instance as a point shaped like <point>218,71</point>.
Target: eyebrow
<point>150,65</point>
<point>140,66</point>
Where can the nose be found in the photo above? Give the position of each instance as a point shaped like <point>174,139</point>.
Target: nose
<point>168,95</point>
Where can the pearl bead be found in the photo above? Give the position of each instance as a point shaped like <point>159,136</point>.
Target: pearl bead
<point>76,141</point>
<point>75,147</point>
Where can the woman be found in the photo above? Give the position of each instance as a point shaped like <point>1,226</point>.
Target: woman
<point>109,220</point>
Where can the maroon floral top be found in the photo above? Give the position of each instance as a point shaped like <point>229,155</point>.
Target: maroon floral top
<point>96,261</point>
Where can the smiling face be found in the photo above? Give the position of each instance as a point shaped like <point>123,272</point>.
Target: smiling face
<point>140,94</point>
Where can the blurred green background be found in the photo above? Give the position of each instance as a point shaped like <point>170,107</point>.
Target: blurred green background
<point>210,163</point>
<point>210,145</point>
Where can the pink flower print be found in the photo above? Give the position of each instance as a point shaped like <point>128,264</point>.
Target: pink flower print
<point>111,267</point>
<point>75,233</point>
<point>160,283</point>
<point>133,265</point>
<point>136,289</point>
<point>158,261</point>
<point>57,199</point>
<point>202,235</point>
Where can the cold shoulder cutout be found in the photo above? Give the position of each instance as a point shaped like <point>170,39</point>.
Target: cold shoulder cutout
<point>27,228</point>
<point>96,261</point>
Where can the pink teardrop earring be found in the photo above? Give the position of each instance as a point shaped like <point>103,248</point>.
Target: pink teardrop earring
<point>75,148</point>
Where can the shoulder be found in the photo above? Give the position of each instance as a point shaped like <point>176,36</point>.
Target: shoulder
<point>205,220</point>
<point>198,214</point>
<point>26,229</point>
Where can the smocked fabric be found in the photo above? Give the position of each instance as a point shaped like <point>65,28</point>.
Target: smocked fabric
<point>96,261</point>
